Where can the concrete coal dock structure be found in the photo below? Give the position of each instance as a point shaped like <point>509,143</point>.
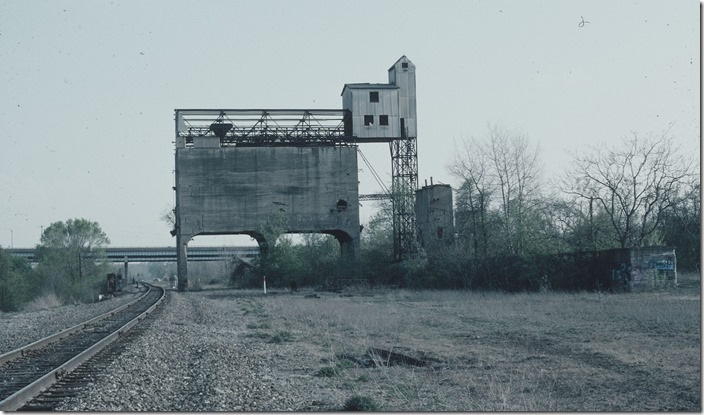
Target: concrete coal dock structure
<point>238,169</point>
<point>236,190</point>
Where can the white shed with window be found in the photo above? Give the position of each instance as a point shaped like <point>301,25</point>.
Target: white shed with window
<point>384,111</point>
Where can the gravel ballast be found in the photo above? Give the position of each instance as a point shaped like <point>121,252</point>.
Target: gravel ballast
<point>21,328</point>
<point>200,355</point>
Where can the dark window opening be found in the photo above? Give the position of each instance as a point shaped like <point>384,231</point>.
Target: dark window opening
<point>404,65</point>
<point>440,232</point>
<point>341,205</point>
<point>383,120</point>
<point>373,96</point>
<point>368,120</point>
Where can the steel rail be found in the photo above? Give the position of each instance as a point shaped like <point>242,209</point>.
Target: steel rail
<point>22,396</point>
<point>24,350</point>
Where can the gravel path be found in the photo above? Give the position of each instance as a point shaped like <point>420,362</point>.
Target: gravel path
<point>202,354</point>
<point>21,328</point>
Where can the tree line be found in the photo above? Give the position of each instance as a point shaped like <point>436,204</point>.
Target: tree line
<point>70,267</point>
<point>639,191</point>
<point>511,224</point>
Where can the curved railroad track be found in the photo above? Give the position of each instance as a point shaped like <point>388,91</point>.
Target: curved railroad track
<point>31,369</point>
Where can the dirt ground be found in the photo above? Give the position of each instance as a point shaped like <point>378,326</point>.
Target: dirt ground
<point>474,351</point>
<point>221,349</point>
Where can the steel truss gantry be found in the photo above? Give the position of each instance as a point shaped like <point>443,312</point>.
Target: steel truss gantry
<point>265,127</point>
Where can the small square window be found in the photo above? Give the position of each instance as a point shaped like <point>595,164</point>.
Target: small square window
<point>368,120</point>
<point>404,65</point>
<point>373,96</point>
<point>383,120</point>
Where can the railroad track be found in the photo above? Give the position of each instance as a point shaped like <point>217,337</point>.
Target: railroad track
<point>31,369</point>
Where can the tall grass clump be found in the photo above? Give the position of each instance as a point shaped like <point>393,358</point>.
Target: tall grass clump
<point>360,403</point>
<point>46,301</point>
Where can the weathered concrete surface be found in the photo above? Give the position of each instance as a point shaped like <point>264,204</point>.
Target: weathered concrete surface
<point>434,216</point>
<point>236,190</point>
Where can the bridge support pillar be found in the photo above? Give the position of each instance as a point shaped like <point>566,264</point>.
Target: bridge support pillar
<point>125,279</point>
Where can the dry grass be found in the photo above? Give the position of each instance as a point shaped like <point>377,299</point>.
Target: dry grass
<point>44,302</point>
<point>505,352</point>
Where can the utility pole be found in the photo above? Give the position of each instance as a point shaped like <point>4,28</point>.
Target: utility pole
<point>80,266</point>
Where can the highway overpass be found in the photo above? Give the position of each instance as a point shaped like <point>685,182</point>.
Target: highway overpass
<point>160,254</point>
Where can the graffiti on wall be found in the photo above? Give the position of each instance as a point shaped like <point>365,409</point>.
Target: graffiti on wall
<point>621,276</point>
<point>664,264</point>
<point>651,271</point>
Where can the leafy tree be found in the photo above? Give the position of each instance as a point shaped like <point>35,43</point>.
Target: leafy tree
<point>377,246</point>
<point>634,184</point>
<point>321,256</point>
<point>579,225</point>
<point>72,259</point>
<point>312,262</point>
<point>18,282</point>
<point>681,225</point>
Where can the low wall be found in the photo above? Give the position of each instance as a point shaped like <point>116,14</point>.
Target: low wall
<point>628,269</point>
<point>643,268</point>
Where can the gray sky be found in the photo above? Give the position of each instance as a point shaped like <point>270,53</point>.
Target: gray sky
<point>89,87</point>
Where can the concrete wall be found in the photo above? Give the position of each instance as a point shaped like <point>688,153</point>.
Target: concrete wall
<point>434,216</point>
<point>234,190</point>
<point>643,268</point>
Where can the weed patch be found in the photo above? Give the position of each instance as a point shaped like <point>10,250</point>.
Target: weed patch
<point>360,403</point>
<point>281,337</point>
<point>326,372</point>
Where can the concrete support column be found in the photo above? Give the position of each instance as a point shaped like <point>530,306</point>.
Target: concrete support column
<point>349,249</point>
<point>182,261</point>
<point>348,255</point>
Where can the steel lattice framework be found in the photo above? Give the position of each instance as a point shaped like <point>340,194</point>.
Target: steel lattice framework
<point>404,182</point>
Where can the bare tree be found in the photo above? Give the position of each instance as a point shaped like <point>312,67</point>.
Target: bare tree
<point>502,169</point>
<point>579,224</point>
<point>517,175</point>
<point>168,216</point>
<point>470,166</point>
<point>633,183</point>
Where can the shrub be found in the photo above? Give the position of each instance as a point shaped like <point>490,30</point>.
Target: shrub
<point>280,337</point>
<point>360,403</point>
<point>326,372</point>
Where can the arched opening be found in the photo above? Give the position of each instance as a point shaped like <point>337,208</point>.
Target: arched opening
<point>301,259</point>
<point>213,259</point>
